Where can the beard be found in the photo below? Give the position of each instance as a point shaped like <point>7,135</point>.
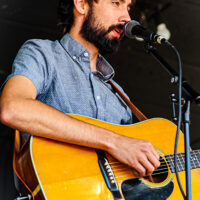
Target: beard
<point>93,31</point>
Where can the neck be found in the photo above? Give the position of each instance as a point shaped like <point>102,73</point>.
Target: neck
<point>194,158</point>
<point>91,48</point>
<point>163,169</point>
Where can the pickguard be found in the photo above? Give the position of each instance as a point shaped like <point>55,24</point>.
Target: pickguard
<point>136,189</point>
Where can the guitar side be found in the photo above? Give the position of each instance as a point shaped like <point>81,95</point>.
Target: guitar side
<point>65,171</point>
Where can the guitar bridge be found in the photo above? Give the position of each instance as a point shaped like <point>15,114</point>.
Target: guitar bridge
<point>108,174</point>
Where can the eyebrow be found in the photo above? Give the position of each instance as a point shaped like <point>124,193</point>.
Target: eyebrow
<point>130,4</point>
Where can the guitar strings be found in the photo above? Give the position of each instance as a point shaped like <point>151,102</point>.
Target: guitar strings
<point>170,160</point>
<point>194,151</point>
<point>182,156</point>
<point>162,161</point>
<point>158,171</point>
<point>163,169</point>
<point>163,164</point>
<point>155,173</point>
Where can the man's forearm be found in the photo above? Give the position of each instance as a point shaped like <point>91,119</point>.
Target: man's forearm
<point>39,119</point>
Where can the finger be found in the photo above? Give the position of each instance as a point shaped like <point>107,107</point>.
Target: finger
<point>153,160</point>
<point>150,148</point>
<point>149,167</point>
<point>155,152</point>
<point>140,170</point>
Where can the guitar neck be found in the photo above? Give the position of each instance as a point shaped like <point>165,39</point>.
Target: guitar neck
<point>194,158</point>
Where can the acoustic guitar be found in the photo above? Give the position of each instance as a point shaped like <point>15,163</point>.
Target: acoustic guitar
<point>54,170</point>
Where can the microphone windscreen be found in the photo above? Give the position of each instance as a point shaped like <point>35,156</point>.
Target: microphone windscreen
<point>128,28</point>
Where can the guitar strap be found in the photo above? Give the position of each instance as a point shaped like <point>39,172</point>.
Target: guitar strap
<point>134,109</point>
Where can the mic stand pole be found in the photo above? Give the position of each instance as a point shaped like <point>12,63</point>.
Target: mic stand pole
<point>189,95</point>
<point>186,124</point>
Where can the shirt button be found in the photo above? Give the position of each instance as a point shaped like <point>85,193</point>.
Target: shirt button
<point>86,54</point>
<point>74,57</point>
<point>98,97</point>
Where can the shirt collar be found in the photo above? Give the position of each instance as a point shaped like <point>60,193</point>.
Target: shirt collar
<point>74,48</point>
<point>106,71</point>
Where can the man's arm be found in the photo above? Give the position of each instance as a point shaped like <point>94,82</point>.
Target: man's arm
<point>20,110</point>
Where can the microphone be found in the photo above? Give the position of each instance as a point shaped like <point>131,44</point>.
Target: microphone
<point>133,30</point>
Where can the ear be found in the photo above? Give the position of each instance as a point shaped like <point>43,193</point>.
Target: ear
<point>81,6</point>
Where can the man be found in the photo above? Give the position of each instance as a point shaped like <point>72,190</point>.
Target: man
<point>50,79</point>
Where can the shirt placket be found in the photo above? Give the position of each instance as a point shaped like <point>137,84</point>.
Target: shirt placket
<point>97,97</point>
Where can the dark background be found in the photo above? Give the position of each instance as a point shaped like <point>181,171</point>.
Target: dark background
<point>147,84</point>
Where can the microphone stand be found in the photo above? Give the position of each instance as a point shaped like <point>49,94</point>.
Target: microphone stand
<point>189,95</point>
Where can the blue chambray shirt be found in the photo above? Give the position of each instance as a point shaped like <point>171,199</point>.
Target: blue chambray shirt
<point>61,73</point>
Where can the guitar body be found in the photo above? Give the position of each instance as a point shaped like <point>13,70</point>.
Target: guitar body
<point>54,170</point>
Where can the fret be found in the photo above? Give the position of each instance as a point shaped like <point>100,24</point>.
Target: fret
<point>194,158</point>
<point>170,161</point>
<point>181,161</point>
<point>198,158</point>
<point>179,166</point>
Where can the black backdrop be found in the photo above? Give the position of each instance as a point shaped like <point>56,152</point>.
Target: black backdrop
<point>147,84</point>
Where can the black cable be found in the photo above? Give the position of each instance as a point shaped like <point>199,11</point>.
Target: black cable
<point>179,114</point>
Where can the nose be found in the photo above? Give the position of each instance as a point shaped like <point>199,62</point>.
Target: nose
<point>124,17</point>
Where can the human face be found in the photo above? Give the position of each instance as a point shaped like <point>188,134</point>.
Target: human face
<point>113,12</point>
<point>103,25</point>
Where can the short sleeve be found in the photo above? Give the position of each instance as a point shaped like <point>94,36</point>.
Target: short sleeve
<point>32,62</point>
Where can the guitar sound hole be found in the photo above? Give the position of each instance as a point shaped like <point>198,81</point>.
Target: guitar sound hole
<point>160,174</point>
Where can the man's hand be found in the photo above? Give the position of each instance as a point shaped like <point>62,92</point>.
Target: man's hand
<point>139,154</point>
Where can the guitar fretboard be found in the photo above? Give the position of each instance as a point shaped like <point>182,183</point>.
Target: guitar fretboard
<point>194,158</point>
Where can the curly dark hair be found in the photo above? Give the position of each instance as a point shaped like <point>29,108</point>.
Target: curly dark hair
<point>66,15</point>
